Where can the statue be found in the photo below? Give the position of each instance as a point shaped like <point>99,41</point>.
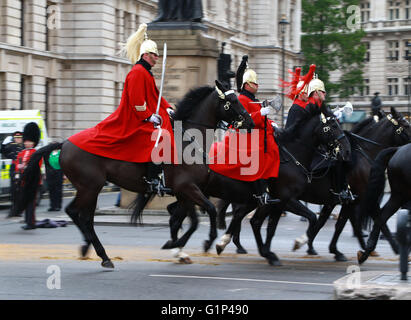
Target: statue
<point>179,10</point>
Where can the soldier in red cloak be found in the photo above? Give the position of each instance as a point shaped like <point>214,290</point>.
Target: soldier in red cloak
<point>261,147</point>
<point>131,131</point>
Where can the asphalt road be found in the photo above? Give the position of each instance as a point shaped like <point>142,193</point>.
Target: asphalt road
<point>44,264</point>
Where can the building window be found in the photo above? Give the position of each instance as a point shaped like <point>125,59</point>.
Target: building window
<point>393,50</point>
<point>407,9</point>
<point>367,53</point>
<point>407,87</point>
<point>407,47</point>
<point>365,89</point>
<point>365,11</point>
<point>392,86</point>
<point>394,10</point>
<point>22,22</point>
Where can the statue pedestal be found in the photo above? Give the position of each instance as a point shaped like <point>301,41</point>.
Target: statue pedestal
<point>191,62</point>
<point>191,57</point>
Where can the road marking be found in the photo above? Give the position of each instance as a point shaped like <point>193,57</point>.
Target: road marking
<point>242,279</point>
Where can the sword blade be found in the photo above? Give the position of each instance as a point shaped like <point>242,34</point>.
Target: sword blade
<point>162,77</point>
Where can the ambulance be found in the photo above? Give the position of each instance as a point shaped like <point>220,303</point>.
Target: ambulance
<point>11,121</point>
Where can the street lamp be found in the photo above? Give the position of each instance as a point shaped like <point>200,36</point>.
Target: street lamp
<point>283,24</point>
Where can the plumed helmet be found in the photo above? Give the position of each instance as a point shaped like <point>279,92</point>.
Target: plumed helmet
<point>148,46</point>
<point>31,132</point>
<point>138,44</point>
<point>301,85</point>
<point>250,77</point>
<point>315,84</point>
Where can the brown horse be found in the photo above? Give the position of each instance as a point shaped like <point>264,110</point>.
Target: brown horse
<point>88,173</point>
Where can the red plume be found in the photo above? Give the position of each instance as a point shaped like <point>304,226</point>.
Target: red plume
<point>306,78</point>
<point>291,86</point>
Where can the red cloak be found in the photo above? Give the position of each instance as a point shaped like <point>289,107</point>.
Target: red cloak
<point>261,165</point>
<point>126,134</point>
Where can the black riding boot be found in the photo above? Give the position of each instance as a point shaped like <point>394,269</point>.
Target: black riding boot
<point>260,192</point>
<point>154,181</point>
<point>340,186</point>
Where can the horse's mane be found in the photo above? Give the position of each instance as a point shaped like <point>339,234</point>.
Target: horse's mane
<point>359,126</point>
<point>192,99</point>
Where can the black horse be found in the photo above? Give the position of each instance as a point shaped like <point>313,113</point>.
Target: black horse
<point>367,139</point>
<point>397,162</point>
<point>88,173</point>
<point>318,130</point>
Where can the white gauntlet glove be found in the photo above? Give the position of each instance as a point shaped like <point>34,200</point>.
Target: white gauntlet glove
<point>170,112</point>
<point>264,111</point>
<point>155,118</point>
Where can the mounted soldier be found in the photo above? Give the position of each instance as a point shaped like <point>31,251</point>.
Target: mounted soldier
<point>133,124</point>
<point>264,149</point>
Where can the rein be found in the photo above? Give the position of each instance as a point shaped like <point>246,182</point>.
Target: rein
<point>309,174</point>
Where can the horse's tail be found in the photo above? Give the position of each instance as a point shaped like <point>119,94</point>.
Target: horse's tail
<point>31,176</point>
<point>138,205</point>
<point>376,184</point>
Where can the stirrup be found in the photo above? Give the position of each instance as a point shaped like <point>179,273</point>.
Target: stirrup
<point>266,199</point>
<point>345,196</point>
<point>156,186</point>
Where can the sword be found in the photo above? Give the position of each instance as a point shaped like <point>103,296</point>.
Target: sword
<point>161,91</point>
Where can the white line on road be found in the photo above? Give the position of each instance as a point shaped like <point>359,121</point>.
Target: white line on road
<point>242,279</point>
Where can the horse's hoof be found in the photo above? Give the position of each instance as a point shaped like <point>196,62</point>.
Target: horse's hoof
<point>185,260</point>
<point>84,250</point>
<point>168,245</point>
<point>297,245</point>
<point>273,260</point>
<point>374,254</point>
<point>241,251</point>
<point>107,264</point>
<point>340,257</point>
<point>361,256</point>
<point>312,252</point>
<point>219,248</point>
<point>206,245</point>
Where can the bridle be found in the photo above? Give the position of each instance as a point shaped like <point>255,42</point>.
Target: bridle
<point>399,130</point>
<point>335,144</point>
<point>238,119</point>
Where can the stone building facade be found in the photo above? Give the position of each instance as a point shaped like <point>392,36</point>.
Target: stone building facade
<point>62,56</point>
<point>387,24</point>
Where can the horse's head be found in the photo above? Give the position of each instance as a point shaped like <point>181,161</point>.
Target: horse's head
<point>231,110</point>
<point>332,135</point>
<point>402,127</point>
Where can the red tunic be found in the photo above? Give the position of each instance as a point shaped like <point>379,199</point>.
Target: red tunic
<point>125,134</point>
<point>258,164</point>
<point>22,159</point>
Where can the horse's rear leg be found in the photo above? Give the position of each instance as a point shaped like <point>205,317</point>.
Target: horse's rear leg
<point>87,200</point>
<point>222,206</point>
<point>73,213</point>
<point>392,206</point>
<point>339,226</point>
<point>271,227</point>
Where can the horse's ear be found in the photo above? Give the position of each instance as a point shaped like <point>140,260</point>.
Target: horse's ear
<point>219,85</point>
<point>395,113</point>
